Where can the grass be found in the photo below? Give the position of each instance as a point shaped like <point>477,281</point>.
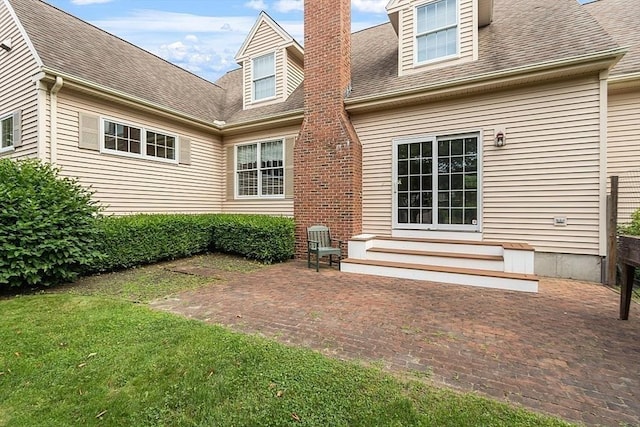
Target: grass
<point>151,282</point>
<point>68,359</point>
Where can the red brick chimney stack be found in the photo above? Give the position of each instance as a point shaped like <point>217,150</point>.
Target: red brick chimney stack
<point>327,155</point>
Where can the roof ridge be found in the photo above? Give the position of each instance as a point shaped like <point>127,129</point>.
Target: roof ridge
<point>128,42</point>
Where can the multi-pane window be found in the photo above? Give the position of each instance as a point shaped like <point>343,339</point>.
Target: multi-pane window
<point>260,169</point>
<point>123,138</point>
<point>264,77</point>
<point>437,30</point>
<point>159,145</point>
<point>437,183</point>
<point>6,132</point>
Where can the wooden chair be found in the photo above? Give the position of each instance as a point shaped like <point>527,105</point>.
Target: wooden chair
<point>320,243</point>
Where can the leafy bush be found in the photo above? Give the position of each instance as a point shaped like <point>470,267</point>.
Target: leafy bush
<point>633,228</point>
<point>260,237</point>
<point>47,225</point>
<point>140,239</point>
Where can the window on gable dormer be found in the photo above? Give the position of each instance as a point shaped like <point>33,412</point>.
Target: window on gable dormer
<point>264,77</point>
<point>436,30</point>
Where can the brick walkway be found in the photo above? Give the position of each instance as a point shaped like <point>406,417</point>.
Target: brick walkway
<point>561,351</point>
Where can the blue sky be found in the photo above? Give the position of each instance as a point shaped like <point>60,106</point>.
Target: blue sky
<point>202,36</point>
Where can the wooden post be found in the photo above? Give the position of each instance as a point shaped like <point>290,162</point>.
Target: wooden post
<point>612,231</point>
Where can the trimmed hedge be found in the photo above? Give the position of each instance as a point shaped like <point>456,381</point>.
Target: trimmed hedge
<point>129,241</point>
<point>264,238</point>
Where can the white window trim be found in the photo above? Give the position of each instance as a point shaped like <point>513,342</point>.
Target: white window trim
<point>143,142</point>
<point>12,146</point>
<point>235,171</point>
<point>417,63</point>
<point>437,227</point>
<point>275,83</point>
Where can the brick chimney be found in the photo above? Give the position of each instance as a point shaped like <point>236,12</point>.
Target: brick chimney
<point>327,154</point>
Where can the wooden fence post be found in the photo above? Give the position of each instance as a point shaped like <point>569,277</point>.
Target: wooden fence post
<point>612,231</point>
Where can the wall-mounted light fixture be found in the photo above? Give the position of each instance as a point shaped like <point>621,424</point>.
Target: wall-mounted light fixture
<point>6,44</point>
<point>501,138</point>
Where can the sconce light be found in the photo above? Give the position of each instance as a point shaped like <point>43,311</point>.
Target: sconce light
<point>6,44</point>
<point>501,139</point>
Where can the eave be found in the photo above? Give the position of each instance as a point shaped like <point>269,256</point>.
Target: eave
<point>289,118</point>
<point>529,74</point>
<point>624,82</point>
<point>48,75</point>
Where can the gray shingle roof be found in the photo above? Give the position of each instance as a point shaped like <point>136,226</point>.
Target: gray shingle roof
<point>522,33</point>
<point>72,46</point>
<point>621,18</point>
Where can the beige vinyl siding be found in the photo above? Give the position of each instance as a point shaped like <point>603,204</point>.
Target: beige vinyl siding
<point>295,74</point>
<point>17,91</point>
<point>265,40</point>
<point>549,166</point>
<point>258,206</point>
<point>467,32</point>
<point>623,149</point>
<point>128,185</point>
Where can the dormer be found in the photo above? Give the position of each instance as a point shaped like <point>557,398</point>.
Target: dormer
<point>437,33</point>
<point>272,64</point>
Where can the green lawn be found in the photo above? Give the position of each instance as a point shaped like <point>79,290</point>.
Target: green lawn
<point>70,360</point>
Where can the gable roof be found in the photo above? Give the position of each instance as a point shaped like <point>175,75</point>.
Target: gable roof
<point>621,19</point>
<point>522,34</point>
<point>265,19</point>
<point>76,48</point>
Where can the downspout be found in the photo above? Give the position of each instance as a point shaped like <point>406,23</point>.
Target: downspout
<point>41,146</point>
<point>602,235</point>
<point>54,118</point>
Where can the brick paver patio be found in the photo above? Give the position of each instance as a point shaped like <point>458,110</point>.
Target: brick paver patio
<point>562,351</point>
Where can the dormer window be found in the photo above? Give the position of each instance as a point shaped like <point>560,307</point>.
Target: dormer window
<point>264,77</point>
<point>436,30</point>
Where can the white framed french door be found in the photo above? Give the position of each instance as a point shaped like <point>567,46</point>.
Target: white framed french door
<point>437,182</point>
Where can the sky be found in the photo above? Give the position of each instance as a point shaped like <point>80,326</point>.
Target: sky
<point>202,36</point>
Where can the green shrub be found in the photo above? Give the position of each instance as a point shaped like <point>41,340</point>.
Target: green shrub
<point>633,228</point>
<point>260,237</point>
<point>133,240</point>
<point>128,241</point>
<point>47,225</point>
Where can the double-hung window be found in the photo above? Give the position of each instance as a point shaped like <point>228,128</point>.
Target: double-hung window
<point>6,132</point>
<point>126,139</point>
<point>436,30</point>
<point>260,169</point>
<point>264,77</point>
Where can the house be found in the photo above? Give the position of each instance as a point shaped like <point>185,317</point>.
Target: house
<point>464,141</point>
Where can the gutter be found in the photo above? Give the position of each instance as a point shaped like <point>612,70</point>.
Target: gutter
<point>288,117</point>
<point>624,81</point>
<point>354,104</point>
<point>115,95</point>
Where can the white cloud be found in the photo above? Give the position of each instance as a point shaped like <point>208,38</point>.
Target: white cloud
<point>285,6</point>
<point>85,2</point>
<point>191,38</point>
<point>256,4</point>
<point>146,20</point>
<point>370,6</point>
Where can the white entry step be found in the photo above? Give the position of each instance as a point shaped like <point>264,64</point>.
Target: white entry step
<point>485,264</point>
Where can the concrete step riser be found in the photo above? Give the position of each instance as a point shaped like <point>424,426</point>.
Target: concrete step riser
<point>443,277</point>
<point>489,265</point>
<point>439,247</point>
